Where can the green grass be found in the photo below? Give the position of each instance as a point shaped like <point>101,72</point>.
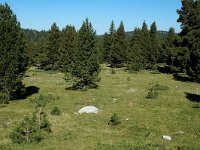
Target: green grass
<point>143,121</point>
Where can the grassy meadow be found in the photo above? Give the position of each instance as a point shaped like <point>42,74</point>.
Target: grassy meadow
<point>143,121</point>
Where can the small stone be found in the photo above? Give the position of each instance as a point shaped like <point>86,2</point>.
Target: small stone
<point>166,137</point>
<point>127,119</point>
<point>114,100</point>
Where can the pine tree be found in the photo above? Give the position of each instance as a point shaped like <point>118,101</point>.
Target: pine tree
<point>155,46</point>
<point>68,44</point>
<point>145,40</point>
<point>13,62</point>
<point>135,55</point>
<point>118,51</point>
<point>85,67</point>
<point>52,48</point>
<point>41,59</point>
<point>106,47</point>
<point>189,16</point>
<point>169,46</point>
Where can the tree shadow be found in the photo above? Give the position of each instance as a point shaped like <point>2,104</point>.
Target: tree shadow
<point>164,69</point>
<point>193,97</point>
<point>28,91</point>
<point>179,77</point>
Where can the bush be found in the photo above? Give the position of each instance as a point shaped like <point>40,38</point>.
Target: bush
<point>152,94</point>
<point>56,111</point>
<point>26,131</point>
<point>4,98</point>
<point>32,129</point>
<point>113,71</point>
<point>153,91</point>
<point>128,79</point>
<point>115,120</point>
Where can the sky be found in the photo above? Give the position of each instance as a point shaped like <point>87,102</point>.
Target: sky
<point>40,14</point>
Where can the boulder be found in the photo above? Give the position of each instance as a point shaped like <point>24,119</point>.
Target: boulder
<point>88,109</point>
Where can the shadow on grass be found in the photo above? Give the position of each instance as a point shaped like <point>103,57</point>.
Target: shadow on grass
<point>179,77</point>
<point>28,91</point>
<point>193,97</point>
<point>164,69</point>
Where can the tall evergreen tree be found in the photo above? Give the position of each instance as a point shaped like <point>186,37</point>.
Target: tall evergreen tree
<point>68,44</point>
<point>135,55</point>
<point>189,16</point>
<point>52,48</point>
<point>155,46</point>
<point>169,46</point>
<point>85,67</point>
<point>145,40</point>
<point>106,47</point>
<point>13,62</point>
<point>118,52</point>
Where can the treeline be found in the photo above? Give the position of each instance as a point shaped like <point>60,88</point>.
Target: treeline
<point>37,45</point>
<point>79,53</point>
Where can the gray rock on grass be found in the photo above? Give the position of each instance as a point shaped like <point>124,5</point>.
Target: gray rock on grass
<point>88,109</point>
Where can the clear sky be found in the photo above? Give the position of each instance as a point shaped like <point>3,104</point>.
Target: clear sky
<point>40,14</point>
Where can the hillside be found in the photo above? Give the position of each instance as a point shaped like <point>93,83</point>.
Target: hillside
<point>143,121</point>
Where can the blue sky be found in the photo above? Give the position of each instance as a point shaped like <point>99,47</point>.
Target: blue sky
<point>40,14</point>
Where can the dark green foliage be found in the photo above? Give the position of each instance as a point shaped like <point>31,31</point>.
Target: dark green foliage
<point>135,57</point>
<point>51,51</point>
<point>85,67</point>
<point>26,131</point>
<point>108,43</point>
<point>67,47</point>
<point>56,111</point>
<point>145,40</point>
<point>169,46</point>
<point>118,48</point>
<point>152,94</point>
<point>32,129</point>
<point>154,47</point>
<point>181,59</point>
<point>189,15</point>
<point>13,62</point>
<point>115,120</point>
<point>106,47</point>
<point>154,91</point>
<point>113,71</point>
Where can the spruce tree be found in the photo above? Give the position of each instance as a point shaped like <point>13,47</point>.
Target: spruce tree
<point>68,44</point>
<point>13,62</point>
<point>145,40</point>
<point>135,56</point>
<point>119,49</point>
<point>112,32</point>
<point>169,46</point>
<point>106,47</point>
<point>52,49</point>
<point>189,16</point>
<point>154,46</point>
<point>85,67</point>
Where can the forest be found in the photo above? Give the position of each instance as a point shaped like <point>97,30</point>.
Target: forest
<point>46,76</point>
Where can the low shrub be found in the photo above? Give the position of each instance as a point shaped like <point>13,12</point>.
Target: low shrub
<point>154,91</point>
<point>56,111</point>
<point>115,120</point>
<point>113,71</point>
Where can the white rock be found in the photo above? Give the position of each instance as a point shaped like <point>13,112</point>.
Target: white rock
<point>114,100</point>
<point>88,109</point>
<point>75,113</point>
<point>166,137</point>
<point>127,119</point>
